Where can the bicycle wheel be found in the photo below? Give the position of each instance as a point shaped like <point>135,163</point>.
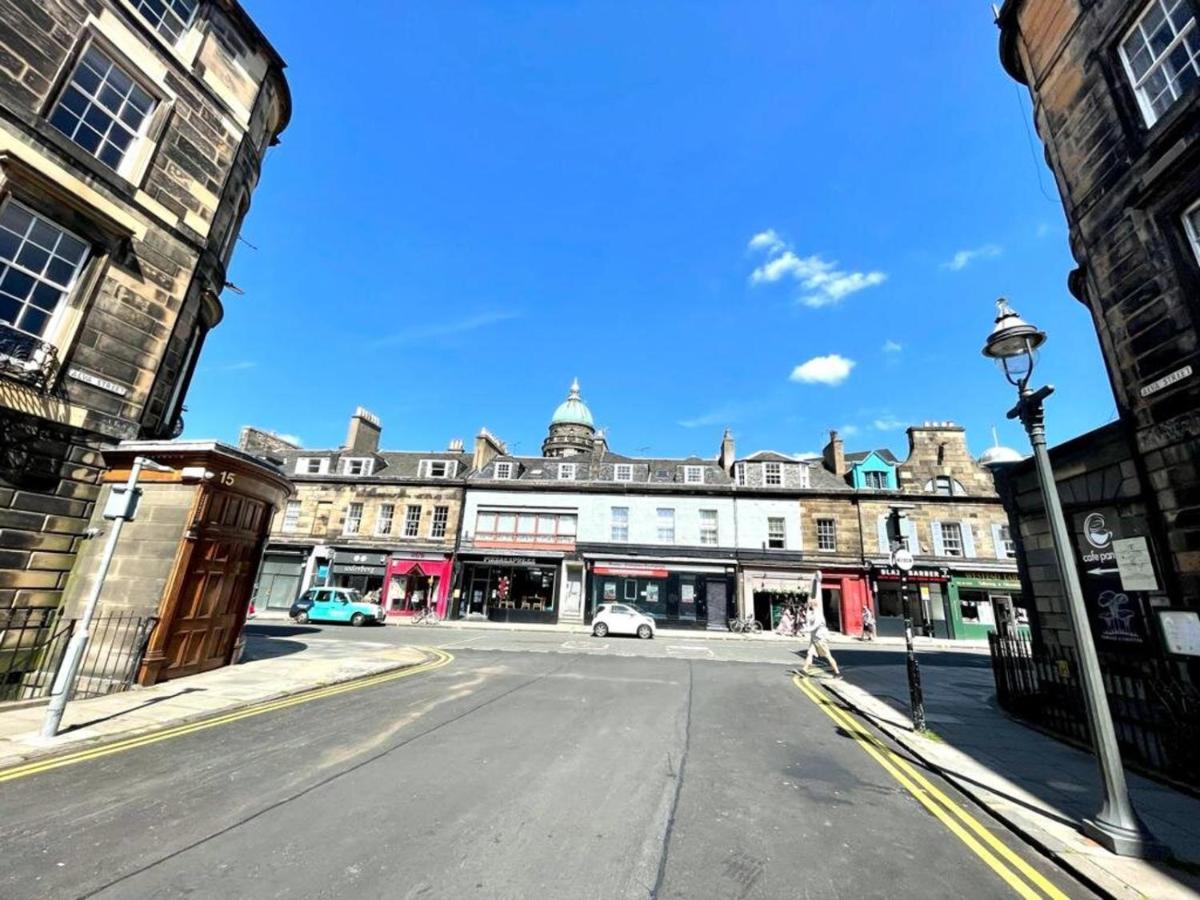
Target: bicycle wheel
<point>754,627</point>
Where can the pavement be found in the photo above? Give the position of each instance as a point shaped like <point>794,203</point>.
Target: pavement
<point>1041,787</point>
<point>271,669</point>
<point>505,774</point>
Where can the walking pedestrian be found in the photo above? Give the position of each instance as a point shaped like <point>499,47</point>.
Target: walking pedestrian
<point>818,639</point>
<point>868,624</point>
<point>787,622</point>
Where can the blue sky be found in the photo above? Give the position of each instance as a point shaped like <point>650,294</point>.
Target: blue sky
<point>781,217</point>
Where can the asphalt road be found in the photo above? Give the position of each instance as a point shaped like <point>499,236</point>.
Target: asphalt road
<point>505,774</point>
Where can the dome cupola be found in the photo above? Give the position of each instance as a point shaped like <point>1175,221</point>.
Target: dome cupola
<point>572,411</point>
<point>572,431</point>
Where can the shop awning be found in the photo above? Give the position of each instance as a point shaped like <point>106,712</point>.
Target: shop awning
<point>632,571</point>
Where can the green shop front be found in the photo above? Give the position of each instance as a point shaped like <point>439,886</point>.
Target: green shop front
<point>981,602</point>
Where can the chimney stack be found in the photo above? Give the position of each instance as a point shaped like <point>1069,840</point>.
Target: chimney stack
<point>834,455</point>
<point>487,448</point>
<point>363,434</point>
<point>728,452</point>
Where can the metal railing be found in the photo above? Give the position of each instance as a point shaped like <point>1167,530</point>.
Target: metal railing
<point>33,640</point>
<point>26,358</point>
<point>1156,712</point>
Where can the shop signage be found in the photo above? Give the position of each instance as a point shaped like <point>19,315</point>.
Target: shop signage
<point>1181,631</point>
<point>916,574</point>
<point>632,571</point>
<point>509,561</point>
<point>1115,611</point>
<point>1134,564</point>
<point>97,382</point>
<point>1166,381</point>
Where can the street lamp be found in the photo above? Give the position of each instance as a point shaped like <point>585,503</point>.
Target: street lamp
<point>121,509</point>
<point>1013,344</point>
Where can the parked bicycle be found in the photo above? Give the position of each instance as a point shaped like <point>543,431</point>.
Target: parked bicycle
<point>427,616</point>
<point>747,625</point>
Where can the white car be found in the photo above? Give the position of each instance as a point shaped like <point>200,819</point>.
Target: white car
<point>622,618</point>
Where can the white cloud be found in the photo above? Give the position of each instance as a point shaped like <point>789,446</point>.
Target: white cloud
<point>768,240</point>
<point>822,281</point>
<point>832,370</point>
<point>887,423</point>
<point>890,346</point>
<point>964,258</point>
<point>848,430</point>
<point>723,416</point>
<point>291,439</point>
<point>446,329</point>
<point>807,454</point>
<point>237,366</point>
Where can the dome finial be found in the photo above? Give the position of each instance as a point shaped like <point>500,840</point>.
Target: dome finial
<point>574,393</point>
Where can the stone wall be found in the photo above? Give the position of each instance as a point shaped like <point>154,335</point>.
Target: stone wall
<point>1125,183</point>
<point>159,230</point>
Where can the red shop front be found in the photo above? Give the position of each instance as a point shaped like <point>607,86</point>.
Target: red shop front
<point>413,581</point>
<point>844,594</point>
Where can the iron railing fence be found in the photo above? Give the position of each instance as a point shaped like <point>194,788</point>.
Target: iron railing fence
<point>33,641</point>
<point>1156,713</point>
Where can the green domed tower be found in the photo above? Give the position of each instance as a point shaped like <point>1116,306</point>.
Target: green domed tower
<point>571,429</point>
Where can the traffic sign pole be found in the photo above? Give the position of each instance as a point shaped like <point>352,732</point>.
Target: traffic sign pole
<point>902,559</point>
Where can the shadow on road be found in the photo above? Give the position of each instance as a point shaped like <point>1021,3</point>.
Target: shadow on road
<point>260,647</point>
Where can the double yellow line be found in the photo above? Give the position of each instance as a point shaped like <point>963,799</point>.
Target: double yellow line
<point>440,658</point>
<point>1003,861</point>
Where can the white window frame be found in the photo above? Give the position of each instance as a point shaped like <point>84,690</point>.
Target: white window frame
<point>303,466</point>
<point>353,521</point>
<point>875,473</point>
<point>710,528</point>
<point>619,524</point>
<point>739,474</point>
<point>365,463</point>
<point>55,317</point>
<point>502,471</point>
<point>139,7</point>
<point>290,523</point>
<point>1191,224</point>
<point>449,471</point>
<point>665,532</point>
<point>805,476</point>
<point>776,472</point>
<point>826,520</point>
<point>1138,85</point>
<point>958,539</point>
<point>383,519</point>
<point>693,474</point>
<point>623,472</point>
<point>412,526</point>
<point>1008,547</point>
<point>566,471</point>
<point>439,521</point>
<point>137,154</point>
<point>782,532</point>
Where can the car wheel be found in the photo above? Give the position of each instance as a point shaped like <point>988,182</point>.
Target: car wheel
<point>601,630</point>
<point>357,620</point>
<point>302,617</point>
<point>645,632</point>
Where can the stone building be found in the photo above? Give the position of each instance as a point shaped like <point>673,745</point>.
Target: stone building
<point>131,139</point>
<point>1116,94</point>
<point>362,517</point>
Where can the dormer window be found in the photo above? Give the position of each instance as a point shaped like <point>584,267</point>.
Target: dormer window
<point>945,486</point>
<point>622,472</point>
<point>439,468</point>
<point>805,476</point>
<point>310,465</point>
<point>170,18</point>
<point>875,480</point>
<point>693,475</point>
<point>503,471</point>
<point>358,466</point>
<point>772,474</point>
<point>566,471</point>
<point>739,474</point>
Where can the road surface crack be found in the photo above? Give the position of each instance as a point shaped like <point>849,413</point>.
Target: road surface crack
<point>679,774</point>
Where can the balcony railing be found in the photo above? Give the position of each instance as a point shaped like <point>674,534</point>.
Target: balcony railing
<point>26,358</point>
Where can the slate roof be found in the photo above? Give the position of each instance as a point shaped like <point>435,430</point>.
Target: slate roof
<point>390,465</point>
<point>860,455</point>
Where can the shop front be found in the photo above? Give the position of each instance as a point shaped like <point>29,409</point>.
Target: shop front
<point>359,569</point>
<point>502,588</point>
<point>767,592</point>
<point>677,596</point>
<point>279,578</point>
<point>983,602</point>
<point>413,581</point>
<point>927,593</point>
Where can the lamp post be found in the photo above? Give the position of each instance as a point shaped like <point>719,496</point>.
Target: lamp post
<point>121,510</point>
<point>1013,344</point>
<point>902,559</point>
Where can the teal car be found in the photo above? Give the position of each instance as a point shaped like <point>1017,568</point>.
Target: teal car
<point>333,604</point>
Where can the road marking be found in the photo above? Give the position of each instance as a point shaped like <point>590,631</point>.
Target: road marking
<point>69,759</point>
<point>689,648</point>
<point>478,637</point>
<point>930,797</point>
<point>584,645</point>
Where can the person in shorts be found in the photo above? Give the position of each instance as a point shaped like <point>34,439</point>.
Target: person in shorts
<point>868,624</point>
<point>818,639</point>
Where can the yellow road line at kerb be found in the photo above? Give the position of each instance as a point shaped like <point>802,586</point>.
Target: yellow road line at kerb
<point>939,805</point>
<point>441,658</point>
